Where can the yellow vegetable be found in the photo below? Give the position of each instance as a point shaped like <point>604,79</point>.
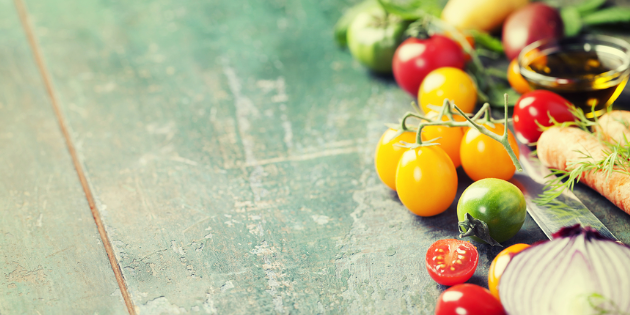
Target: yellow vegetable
<point>483,15</point>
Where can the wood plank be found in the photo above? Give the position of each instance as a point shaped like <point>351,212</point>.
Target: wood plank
<point>52,260</point>
<point>229,145</point>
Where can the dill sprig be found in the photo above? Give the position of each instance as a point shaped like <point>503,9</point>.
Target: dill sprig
<point>615,158</point>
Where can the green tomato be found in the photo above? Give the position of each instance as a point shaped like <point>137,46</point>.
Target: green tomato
<point>498,203</point>
<point>341,28</point>
<point>373,37</point>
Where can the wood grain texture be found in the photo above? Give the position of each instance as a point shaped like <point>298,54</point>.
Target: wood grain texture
<point>229,145</point>
<point>51,258</point>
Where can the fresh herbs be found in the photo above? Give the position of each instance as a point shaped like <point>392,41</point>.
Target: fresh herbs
<point>589,13</point>
<point>615,158</point>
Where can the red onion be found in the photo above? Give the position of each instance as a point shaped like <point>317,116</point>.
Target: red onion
<point>578,272</point>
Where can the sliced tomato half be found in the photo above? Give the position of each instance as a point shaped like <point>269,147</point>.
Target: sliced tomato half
<point>450,261</point>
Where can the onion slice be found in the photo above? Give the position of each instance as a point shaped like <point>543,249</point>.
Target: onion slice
<point>578,272</point>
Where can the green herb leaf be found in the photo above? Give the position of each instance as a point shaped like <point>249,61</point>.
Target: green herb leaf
<point>341,28</point>
<point>413,9</point>
<point>571,19</point>
<point>589,6</point>
<point>496,96</point>
<point>608,16</point>
<point>487,41</point>
<point>498,73</point>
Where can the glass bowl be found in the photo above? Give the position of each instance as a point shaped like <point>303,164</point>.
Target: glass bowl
<point>589,71</point>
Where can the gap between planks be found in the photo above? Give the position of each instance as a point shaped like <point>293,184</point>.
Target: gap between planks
<point>28,29</point>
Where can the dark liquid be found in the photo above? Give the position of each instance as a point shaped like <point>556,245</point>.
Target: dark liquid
<point>594,90</point>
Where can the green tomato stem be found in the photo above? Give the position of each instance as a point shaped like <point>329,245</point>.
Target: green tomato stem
<point>474,227</point>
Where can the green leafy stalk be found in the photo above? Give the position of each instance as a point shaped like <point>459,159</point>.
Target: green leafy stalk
<point>588,6</point>
<point>412,9</point>
<point>486,40</point>
<point>571,20</point>
<point>608,16</point>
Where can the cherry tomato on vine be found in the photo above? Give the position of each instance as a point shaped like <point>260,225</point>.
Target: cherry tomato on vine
<point>426,180</point>
<point>483,157</point>
<point>451,261</point>
<point>498,266</point>
<point>536,106</point>
<point>388,153</point>
<point>518,83</point>
<point>415,58</point>
<point>450,137</point>
<point>468,299</point>
<point>448,83</point>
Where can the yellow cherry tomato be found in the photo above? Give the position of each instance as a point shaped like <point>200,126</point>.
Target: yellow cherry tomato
<point>483,157</point>
<point>450,137</point>
<point>448,83</point>
<point>388,154</point>
<point>426,180</point>
<point>518,83</point>
<point>498,266</point>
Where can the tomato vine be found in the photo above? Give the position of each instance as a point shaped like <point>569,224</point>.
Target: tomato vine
<point>482,117</point>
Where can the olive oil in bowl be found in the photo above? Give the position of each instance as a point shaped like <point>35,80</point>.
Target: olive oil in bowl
<point>590,72</point>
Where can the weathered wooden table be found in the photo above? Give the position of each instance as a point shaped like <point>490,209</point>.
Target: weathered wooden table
<point>217,154</point>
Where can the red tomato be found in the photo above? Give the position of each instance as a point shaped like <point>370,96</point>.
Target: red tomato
<point>451,261</point>
<point>469,299</point>
<point>415,58</point>
<point>526,25</point>
<point>535,107</point>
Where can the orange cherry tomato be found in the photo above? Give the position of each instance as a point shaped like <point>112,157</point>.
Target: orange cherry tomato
<point>518,83</point>
<point>498,266</point>
<point>426,180</point>
<point>483,157</point>
<point>450,137</point>
<point>534,58</point>
<point>448,83</point>
<point>388,153</point>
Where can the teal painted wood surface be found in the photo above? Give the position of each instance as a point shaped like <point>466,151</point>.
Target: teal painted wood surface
<point>233,158</point>
<point>52,260</point>
<point>229,145</point>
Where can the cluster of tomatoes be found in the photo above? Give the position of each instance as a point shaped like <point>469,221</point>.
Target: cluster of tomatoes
<point>425,177</point>
<point>464,298</point>
<point>431,68</point>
